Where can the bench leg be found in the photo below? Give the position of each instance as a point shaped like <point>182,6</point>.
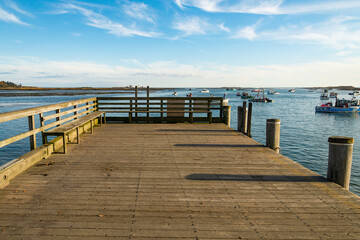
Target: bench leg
<point>77,135</point>
<point>210,117</point>
<point>64,142</point>
<point>100,120</point>
<point>104,119</point>
<point>92,127</point>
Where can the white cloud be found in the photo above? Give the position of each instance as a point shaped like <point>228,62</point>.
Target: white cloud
<point>75,34</point>
<point>100,21</point>
<point>9,17</point>
<point>139,11</point>
<point>247,33</point>
<point>338,33</point>
<point>43,72</point>
<point>268,7</point>
<point>15,7</point>
<point>222,27</point>
<point>191,25</point>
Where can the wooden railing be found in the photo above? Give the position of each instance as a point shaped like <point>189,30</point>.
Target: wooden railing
<point>49,116</point>
<point>118,109</point>
<point>162,109</point>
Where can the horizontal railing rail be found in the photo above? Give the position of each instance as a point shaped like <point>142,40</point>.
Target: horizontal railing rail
<point>57,114</point>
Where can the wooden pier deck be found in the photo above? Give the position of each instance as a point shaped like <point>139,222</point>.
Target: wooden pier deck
<point>174,181</point>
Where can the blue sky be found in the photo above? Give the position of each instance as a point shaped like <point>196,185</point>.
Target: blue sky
<point>180,43</point>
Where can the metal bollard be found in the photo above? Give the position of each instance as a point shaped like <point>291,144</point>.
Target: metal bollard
<point>340,159</point>
<point>273,134</point>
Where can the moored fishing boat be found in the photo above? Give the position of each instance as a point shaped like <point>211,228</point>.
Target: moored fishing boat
<point>291,90</point>
<point>204,91</point>
<point>333,95</point>
<point>355,93</point>
<point>244,95</point>
<point>341,106</point>
<point>324,96</point>
<point>260,98</point>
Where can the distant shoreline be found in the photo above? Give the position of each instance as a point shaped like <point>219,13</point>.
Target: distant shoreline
<point>14,92</point>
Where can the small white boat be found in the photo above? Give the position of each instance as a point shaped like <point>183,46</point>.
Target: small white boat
<point>204,91</point>
<point>174,93</point>
<point>291,90</point>
<point>324,96</point>
<point>225,100</point>
<point>272,92</point>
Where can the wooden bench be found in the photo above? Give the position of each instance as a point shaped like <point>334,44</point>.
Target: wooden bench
<point>63,130</point>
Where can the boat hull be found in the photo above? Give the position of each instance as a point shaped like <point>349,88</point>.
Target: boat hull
<point>327,109</point>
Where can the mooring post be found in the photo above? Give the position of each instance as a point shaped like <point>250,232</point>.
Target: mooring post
<point>340,159</point>
<point>239,118</point>
<point>273,134</point>
<point>248,132</point>
<point>227,115</point>
<point>244,117</point>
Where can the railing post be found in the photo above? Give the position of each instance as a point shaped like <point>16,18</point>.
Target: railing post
<point>248,132</point>
<point>136,102</point>
<point>76,112</point>
<point>130,113</point>
<point>191,109</point>
<point>209,114</point>
<point>59,117</point>
<point>273,134</point>
<point>41,120</point>
<point>147,102</point>
<point>340,159</point>
<point>227,115</point>
<point>162,110</point>
<point>87,109</point>
<point>32,138</point>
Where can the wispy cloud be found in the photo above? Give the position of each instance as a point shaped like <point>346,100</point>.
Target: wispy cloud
<point>191,25</point>
<point>139,11</point>
<point>224,28</point>
<point>75,34</point>
<point>246,32</point>
<point>15,7</point>
<point>338,33</point>
<point>268,7</point>
<point>9,17</point>
<point>102,22</point>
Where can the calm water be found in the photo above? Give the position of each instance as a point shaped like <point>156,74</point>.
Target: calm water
<point>304,134</point>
